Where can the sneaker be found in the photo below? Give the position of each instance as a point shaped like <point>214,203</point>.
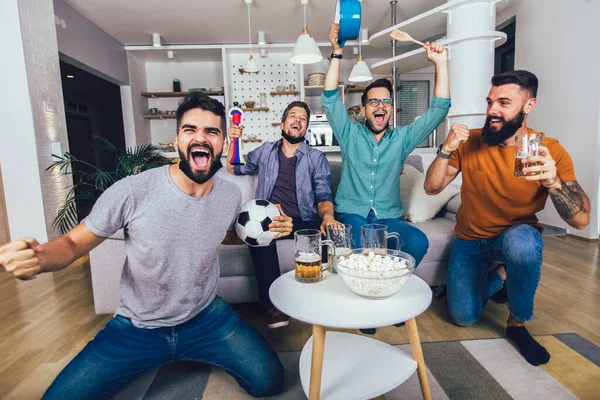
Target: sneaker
<point>277,319</point>
<point>368,331</point>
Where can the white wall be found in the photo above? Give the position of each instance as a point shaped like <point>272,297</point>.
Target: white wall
<point>557,40</point>
<point>139,104</point>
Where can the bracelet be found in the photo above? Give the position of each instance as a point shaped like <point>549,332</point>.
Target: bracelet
<point>333,55</point>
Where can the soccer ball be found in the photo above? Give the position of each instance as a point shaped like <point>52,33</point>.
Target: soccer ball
<point>253,221</point>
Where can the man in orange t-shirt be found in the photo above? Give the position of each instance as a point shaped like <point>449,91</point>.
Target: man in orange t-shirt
<point>496,220</point>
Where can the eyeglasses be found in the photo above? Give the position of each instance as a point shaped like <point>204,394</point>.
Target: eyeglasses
<point>375,102</point>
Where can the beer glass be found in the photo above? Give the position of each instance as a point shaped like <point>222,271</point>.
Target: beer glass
<point>374,238</point>
<point>526,145</point>
<point>307,255</point>
<point>341,236</point>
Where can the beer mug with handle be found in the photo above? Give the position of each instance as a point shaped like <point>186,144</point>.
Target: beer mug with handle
<point>341,236</point>
<point>308,255</point>
<point>374,238</point>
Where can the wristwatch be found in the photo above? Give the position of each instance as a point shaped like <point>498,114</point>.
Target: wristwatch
<point>440,153</point>
<point>333,55</point>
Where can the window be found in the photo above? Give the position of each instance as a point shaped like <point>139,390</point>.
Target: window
<point>413,97</point>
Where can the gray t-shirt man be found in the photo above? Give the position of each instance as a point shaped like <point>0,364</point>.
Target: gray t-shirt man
<point>171,270</point>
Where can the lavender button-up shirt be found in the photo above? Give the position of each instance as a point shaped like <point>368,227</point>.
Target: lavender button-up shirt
<point>312,175</point>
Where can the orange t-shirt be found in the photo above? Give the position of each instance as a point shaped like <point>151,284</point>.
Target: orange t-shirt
<point>493,199</point>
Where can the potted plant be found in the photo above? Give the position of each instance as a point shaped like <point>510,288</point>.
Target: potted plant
<point>90,181</point>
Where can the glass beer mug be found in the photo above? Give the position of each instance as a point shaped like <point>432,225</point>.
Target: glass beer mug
<point>341,236</point>
<point>308,255</point>
<point>374,238</point>
<point>526,145</point>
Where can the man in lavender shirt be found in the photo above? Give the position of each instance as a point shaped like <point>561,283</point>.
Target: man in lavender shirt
<point>292,174</point>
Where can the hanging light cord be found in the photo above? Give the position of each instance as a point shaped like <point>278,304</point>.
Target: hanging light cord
<point>304,5</point>
<point>249,31</point>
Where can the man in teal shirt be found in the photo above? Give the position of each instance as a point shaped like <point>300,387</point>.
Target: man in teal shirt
<point>373,153</point>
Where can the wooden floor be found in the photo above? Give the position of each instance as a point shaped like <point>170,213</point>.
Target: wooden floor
<point>45,322</point>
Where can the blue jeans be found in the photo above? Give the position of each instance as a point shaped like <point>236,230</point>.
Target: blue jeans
<point>471,282</point>
<point>413,241</point>
<point>217,336</point>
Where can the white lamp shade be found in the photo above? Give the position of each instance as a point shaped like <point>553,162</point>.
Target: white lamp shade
<point>251,65</point>
<point>360,72</point>
<point>306,50</point>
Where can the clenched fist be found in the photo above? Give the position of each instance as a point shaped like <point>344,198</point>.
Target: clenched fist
<point>20,258</point>
<point>458,134</point>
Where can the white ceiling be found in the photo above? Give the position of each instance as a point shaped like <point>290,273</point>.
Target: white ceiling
<point>225,21</point>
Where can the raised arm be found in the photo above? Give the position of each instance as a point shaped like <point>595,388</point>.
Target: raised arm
<point>26,258</point>
<point>438,55</point>
<point>333,73</point>
<point>440,172</point>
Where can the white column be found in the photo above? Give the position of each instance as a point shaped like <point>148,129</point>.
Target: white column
<point>18,153</point>
<point>471,35</point>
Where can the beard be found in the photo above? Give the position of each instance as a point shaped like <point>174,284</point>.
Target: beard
<point>509,128</point>
<point>200,177</point>
<point>292,139</point>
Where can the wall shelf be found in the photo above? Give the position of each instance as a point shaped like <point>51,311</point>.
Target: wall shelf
<point>355,90</point>
<point>256,109</point>
<point>243,71</point>
<point>256,140</point>
<point>167,116</point>
<point>286,93</point>
<point>275,123</point>
<point>180,94</point>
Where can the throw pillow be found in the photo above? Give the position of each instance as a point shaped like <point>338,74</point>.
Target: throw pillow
<point>418,205</point>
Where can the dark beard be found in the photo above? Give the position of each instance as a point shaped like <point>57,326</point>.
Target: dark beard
<point>509,128</point>
<point>368,124</point>
<point>291,139</point>
<point>199,177</point>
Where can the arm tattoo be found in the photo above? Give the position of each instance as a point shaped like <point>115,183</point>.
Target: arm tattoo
<point>568,200</point>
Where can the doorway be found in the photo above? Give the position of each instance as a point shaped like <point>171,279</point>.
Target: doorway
<point>92,108</point>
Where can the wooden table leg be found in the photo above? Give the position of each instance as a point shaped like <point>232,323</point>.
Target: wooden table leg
<point>316,363</point>
<point>415,344</point>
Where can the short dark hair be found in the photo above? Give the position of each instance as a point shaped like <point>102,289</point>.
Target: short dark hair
<point>382,82</point>
<point>203,102</point>
<point>525,79</point>
<point>296,104</point>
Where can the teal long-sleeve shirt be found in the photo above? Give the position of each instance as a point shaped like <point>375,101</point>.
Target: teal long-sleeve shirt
<point>370,170</point>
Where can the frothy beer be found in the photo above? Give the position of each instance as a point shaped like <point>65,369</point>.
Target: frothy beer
<point>519,165</point>
<point>308,267</point>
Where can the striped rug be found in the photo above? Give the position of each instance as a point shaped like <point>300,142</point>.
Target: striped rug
<point>471,369</point>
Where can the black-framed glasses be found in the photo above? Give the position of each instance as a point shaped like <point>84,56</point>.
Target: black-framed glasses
<point>375,102</point>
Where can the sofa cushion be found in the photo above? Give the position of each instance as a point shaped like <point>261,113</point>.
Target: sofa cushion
<point>418,205</point>
<point>454,202</point>
<point>439,232</point>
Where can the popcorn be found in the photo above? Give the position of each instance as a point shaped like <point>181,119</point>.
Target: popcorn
<point>374,275</point>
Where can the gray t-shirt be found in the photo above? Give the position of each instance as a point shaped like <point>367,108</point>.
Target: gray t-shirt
<point>171,269</point>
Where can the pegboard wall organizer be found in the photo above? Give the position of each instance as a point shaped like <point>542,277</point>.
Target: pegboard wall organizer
<point>275,70</point>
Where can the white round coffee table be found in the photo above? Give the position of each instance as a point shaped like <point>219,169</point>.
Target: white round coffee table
<point>350,366</point>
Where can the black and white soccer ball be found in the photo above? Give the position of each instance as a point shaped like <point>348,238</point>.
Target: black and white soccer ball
<point>253,221</point>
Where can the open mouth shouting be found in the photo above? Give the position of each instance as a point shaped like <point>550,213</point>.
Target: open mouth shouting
<point>379,117</point>
<point>295,129</point>
<point>201,156</point>
<point>496,122</point>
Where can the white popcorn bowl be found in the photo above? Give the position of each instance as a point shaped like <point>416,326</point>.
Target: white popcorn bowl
<point>376,284</point>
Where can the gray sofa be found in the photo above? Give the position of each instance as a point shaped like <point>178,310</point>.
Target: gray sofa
<point>237,283</point>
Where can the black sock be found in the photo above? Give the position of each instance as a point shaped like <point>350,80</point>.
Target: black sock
<point>501,296</point>
<point>534,353</point>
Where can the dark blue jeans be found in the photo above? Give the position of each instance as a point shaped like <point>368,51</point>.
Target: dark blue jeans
<point>217,336</point>
<point>471,282</point>
<point>266,261</point>
<point>413,241</point>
